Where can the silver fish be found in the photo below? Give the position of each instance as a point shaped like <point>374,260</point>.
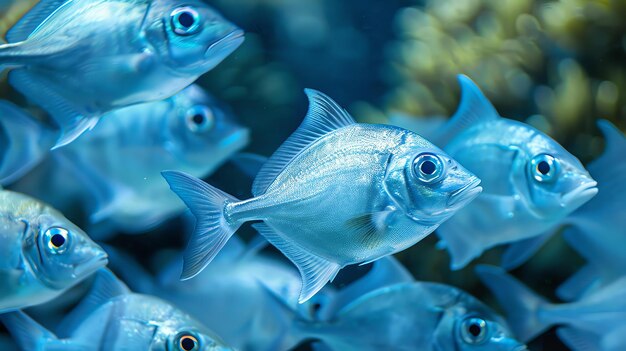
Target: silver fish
<point>531,183</point>
<point>415,316</point>
<point>79,59</point>
<point>42,254</point>
<point>335,193</point>
<point>111,318</point>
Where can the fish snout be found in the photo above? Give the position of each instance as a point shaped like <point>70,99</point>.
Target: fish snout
<point>465,194</point>
<point>226,45</point>
<point>93,260</point>
<point>582,193</point>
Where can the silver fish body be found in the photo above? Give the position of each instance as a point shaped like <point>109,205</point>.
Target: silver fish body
<point>415,316</point>
<point>111,318</point>
<point>42,253</point>
<point>80,59</point>
<point>531,183</point>
<point>336,193</point>
<point>119,162</point>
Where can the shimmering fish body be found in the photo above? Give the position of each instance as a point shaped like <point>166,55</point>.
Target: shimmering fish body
<point>531,183</point>
<point>415,316</point>
<point>79,59</point>
<point>42,254</point>
<point>595,319</point>
<point>233,296</point>
<point>336,193</point>
<point>111,318</point>
<point>118,163</point>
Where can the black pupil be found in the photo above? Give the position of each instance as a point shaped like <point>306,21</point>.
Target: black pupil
<point>474,329</point>
<point>198,119</point>
<point>543,167</point>
<point>57,240</point>
<point>188,344</point>
<point>428,167</point>
<point>186,19</point>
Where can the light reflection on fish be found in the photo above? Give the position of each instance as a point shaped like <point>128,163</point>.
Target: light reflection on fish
<point>335,193</point>
<point>42,254</point>
<point>80,59</point>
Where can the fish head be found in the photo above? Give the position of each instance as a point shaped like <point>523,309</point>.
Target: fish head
<point>203,132</point>
<point>428,185</point>
<point>191,38</point>
<point>551,181</point>
<point>180,332</point>
<point>470,325</point>
<point>472,332</point>
<point>61,254</point>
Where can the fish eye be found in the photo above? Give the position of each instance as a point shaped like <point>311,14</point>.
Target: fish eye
<point>474,330</point>
<point>200,119</point>
<point>428,167</point>
<point>56,239</point>
<point>544,167</point>
<point>188,342</point>
<point>185,20</point>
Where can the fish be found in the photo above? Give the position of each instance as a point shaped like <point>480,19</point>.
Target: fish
<point>595,229</point>
<point>234,296</point>
<point>112,318</point>
<point>531,183</point>
<point>24,142</point>
<point>118,163</point>
<point>79,59</point>
<point>335,193</point>
<point>415,316</point>
<point>42,253</point>
<point>586,321</point>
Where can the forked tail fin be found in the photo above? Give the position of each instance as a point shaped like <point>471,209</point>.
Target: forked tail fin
<point>212,230</point>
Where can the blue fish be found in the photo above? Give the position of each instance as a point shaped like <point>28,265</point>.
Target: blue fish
<point>42,254</point>
<point>335,193</point>
<point>415,316</point>
<point>531,183</point>
<point>114,171</point>
<point>596,229</point>
<point>119,162</point>
<point>111,318</point>
<point>234,296</point>
<point>588,321</point>
<point>24,142</point>
<point>79,59</point>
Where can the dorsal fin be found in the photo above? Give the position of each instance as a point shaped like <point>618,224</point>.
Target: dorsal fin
<point>324,116</point>
<point>615,144</point>
<point>474,108</point>
<point>32,19</point>
<point>105,287</point>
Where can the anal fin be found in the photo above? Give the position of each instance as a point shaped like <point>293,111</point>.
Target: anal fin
<point>315,271</point>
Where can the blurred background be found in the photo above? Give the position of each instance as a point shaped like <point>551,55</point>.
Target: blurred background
<point>557,65</point>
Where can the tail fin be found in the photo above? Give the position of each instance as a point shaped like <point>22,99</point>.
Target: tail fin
<point>24,142</point>
<point>212,230</point>
<point>26,331</point>
<point>520,303</point>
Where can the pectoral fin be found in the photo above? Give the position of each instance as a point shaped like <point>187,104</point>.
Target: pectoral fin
<point>315,271</point>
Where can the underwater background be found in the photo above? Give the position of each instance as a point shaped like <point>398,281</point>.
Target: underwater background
<point>556,65</point>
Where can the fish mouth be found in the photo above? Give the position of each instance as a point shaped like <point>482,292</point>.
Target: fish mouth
<point>464,195</point>
<point>227,44</point>
<point>236,140</point>
<point>89,267</point>
<point>580,195</point>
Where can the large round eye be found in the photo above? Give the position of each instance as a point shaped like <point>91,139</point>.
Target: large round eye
<point>56,239</point>
<point>188,342</point>
<point>185,20</point>
<point>474,330</point>
<point>544,168</point>
<point>428,167</point>
<point>200,119</point>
